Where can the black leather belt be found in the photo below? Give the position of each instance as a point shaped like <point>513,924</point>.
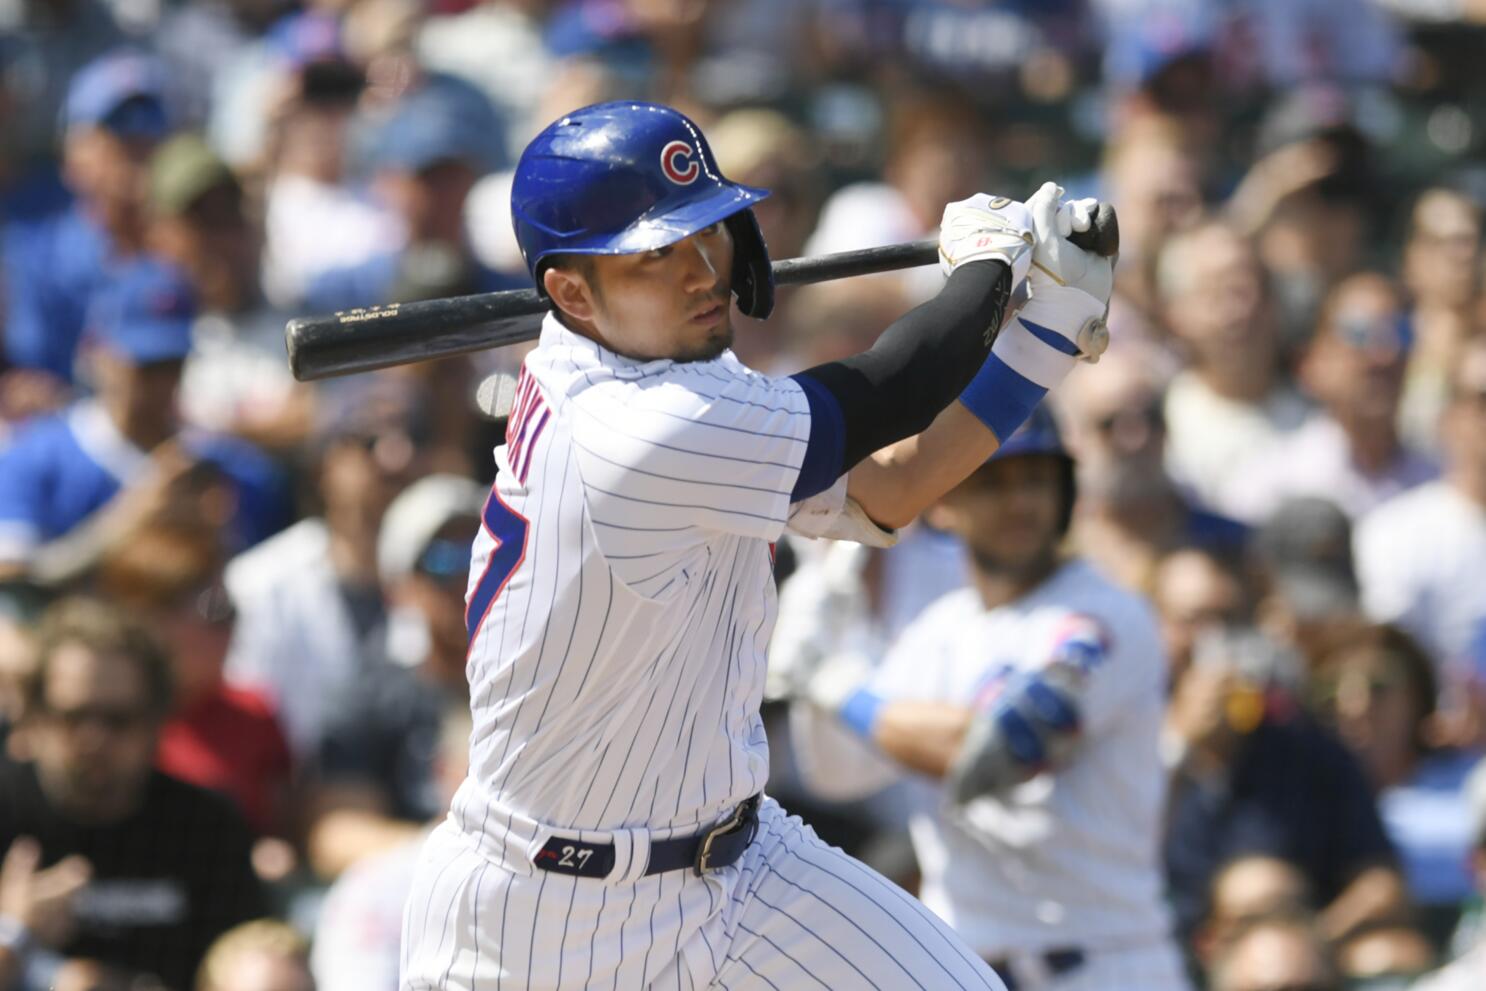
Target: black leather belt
<point>1057,962</point>
<point>717,847</point>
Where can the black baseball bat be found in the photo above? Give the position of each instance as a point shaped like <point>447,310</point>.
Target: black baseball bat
<point>362,340</point>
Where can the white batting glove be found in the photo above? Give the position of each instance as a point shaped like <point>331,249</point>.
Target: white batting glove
<point>1070,287</point>
<point>985,226</point>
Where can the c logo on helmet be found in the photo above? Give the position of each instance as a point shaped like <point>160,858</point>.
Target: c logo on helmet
<point>688,170</point>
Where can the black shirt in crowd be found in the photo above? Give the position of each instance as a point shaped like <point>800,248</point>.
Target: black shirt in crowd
<point>166,881</point>
<point>1294,792</point>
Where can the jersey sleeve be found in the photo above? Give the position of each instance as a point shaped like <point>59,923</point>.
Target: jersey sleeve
<point>697,448</point>
<point>1112,662</point>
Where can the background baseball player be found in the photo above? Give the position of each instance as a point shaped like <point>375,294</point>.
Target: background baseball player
<point>1036,693</point>
<point>612,830</point>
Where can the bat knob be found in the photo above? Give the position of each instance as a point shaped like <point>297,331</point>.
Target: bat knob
<point>1103,236</point>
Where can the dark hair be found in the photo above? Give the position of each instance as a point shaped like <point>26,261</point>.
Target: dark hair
<point>574,262</point>
<point>1399,651</point>
<point>103,629</point>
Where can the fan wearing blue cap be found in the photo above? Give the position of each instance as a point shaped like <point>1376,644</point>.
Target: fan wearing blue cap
<point>114,115</point>
<point>63,478</point>
<point>1036,696</point>
<point>425,157</point>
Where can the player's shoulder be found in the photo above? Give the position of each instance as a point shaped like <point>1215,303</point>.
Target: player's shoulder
<point>1079,590</point>
<point>947,617</point>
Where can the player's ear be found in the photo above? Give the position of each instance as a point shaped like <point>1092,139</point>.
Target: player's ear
<point>570,292</point>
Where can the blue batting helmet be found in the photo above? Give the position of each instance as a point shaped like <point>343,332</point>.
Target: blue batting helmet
<point>625,177</point>
<point>1040,435</point>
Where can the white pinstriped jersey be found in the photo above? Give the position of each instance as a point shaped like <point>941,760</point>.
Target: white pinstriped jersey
<point>621,596</point>
<point>1070,857</point>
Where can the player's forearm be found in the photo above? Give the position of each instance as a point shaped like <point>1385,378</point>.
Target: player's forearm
<point>922,736</point>
<point>897,483</point>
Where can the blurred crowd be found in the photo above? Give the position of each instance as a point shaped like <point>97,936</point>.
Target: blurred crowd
<point>232,690</point>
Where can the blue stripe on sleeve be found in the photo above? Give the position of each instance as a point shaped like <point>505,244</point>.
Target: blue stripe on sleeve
<point>1001,397</point>
<point>826,446</point>
<point>1051,338</point>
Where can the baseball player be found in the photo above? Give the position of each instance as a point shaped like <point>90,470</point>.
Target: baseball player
<point>1037,694</point>
<point>612,831</point>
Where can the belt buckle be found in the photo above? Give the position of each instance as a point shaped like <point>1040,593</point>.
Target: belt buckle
<point>704,851</point>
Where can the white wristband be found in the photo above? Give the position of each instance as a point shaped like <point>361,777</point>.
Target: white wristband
<point>1072,314</point>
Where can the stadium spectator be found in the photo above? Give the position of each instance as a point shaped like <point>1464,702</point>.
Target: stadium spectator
<point>1278,952</point>
<point>305,91</point>
<point>359,928</point>
<point>1253,774</point>
<point>310,604</point>
<point>54,265</point>
<point>1349,451</point>
<point>1231,403</point>
<point>1305,552</point>
<point>217,736</point>
<point>76,483</point>
<point>167,865</point>
<point>1381,693</point>
<point>1154,175</point>
<point>427,156</point>
<point>235,379</point>
<point>1464,973</point>
<point>261,955</point>
<point>1196,591</point>
<point>1130,510</point>
<point>1441,269</point>
<point>1419,554</point>
<point>375,784</point>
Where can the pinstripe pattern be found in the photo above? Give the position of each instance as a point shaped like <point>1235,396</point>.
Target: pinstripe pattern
<point>1153,967</point>
<point>616,670</point>
<point>792,914</point>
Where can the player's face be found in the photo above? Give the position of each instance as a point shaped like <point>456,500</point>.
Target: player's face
<point>1008,513</point>
<point>673,302</point>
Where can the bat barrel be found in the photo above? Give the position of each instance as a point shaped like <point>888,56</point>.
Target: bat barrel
<point>362,340</point>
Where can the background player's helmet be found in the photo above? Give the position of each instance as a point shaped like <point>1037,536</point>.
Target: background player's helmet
<point>1039,435</point>
<point>625,177</point>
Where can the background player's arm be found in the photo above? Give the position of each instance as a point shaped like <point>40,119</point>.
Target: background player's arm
<point>922,736</point>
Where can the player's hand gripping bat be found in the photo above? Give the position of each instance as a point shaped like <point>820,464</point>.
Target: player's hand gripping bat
<point>361,340</point>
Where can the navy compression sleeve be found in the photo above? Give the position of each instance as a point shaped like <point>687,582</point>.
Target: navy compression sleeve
<point>896,388</point>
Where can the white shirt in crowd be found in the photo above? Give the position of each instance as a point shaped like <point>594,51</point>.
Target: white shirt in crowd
<point>1211,440</point>
<point>1316,460</point>
<point>1420,560</point>
<point>294,639</point>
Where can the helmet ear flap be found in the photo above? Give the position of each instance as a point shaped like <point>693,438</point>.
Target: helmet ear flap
<point>753,276</point>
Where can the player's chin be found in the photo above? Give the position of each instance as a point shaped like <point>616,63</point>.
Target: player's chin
<point>712,342</point>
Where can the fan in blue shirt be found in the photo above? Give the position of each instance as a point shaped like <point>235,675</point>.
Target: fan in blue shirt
<point>73,484</point>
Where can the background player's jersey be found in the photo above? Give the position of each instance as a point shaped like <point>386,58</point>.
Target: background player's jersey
<point>1072,855</point>
<point>621,594</point>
